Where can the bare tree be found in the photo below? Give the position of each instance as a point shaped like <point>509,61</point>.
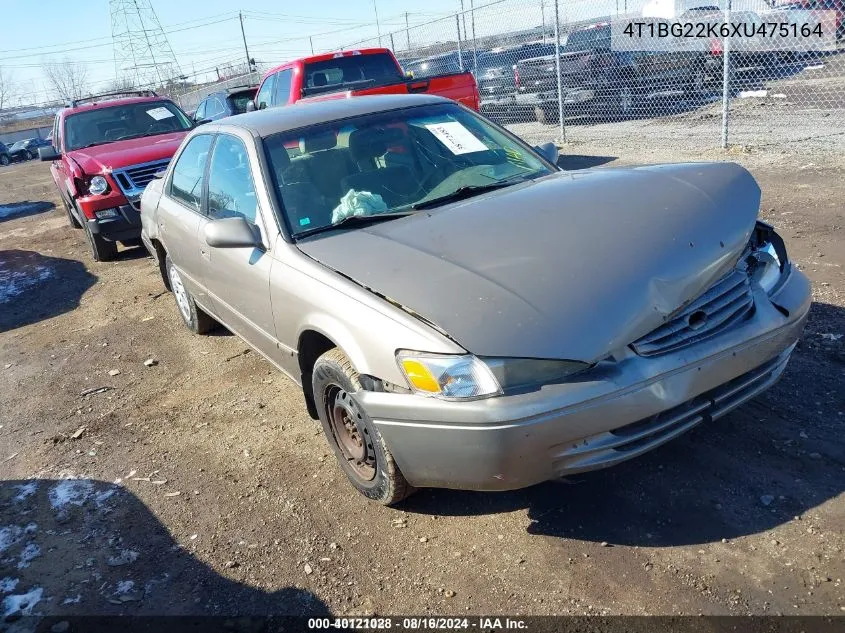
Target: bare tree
<point>122,83</point>
<point>6,88</point>
<point>67,78</point>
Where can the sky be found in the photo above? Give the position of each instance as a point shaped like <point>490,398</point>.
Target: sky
<point>205,34</point>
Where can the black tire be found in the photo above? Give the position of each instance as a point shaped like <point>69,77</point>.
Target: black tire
<point>195,319</point>
<point>5,160</point>
<point>101,250</point>
<point>30,155</point>
<point>335,383</point>
<point>71,218</point>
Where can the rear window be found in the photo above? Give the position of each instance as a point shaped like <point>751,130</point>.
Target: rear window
<point>330,74</point>
<point>238,100</point>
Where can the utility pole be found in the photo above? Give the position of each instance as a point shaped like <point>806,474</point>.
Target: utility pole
<point>246,50</point>
<point>407,31</point>
<point>464,19</point>
<point>378,27</point>
<point>311,39</point>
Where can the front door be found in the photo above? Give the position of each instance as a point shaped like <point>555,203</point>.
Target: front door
<point>238,279</point>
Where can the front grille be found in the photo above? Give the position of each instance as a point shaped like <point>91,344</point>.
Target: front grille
<point>723,305</point>
<point>132,180</point>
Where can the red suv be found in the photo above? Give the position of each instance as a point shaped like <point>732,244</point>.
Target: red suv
<point>105,150</point>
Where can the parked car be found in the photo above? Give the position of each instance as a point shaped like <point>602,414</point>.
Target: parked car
<point>354,73</point>
<point>5,158</point>
<point>496,79</point>
<point>452,62</point>
<point>453,305</point>
<point>27,149</point>
<point>106,148</point>
<point>224,103</point>
<point>596,77</point>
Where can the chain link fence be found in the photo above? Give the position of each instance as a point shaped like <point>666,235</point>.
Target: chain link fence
<point>778,84</point>
<point>188,100</point>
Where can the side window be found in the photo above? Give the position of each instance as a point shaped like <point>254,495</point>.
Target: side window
<point>262,99</point>
<point>57,135</point>
<point>200,113</point>
<point>215,108</point>
<point>281,93</point>
<point>230,188</point>
<point>186,182</point>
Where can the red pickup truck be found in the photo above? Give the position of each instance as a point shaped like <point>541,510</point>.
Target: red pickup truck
<point>355,73</point>
<point>103,155</point>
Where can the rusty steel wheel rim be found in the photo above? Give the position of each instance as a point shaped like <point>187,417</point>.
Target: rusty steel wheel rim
<point>349,432</point>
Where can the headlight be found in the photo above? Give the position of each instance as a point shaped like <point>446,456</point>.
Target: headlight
<point>513,373</point>
<point>460,377</point>
<point>469,377</point>
<point>98,185</point>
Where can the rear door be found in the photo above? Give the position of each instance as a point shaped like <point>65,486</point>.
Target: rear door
<point>239,278</point>
<point>180,216</point>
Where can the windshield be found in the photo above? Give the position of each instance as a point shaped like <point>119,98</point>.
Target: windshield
<point>19,145</point>
<point>392,162</point>
<point>132,120</point>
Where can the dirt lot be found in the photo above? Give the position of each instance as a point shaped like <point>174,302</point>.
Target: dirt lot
<point>202,486</point>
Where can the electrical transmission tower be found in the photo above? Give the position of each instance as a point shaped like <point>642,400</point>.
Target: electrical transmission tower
<point>143,57</point>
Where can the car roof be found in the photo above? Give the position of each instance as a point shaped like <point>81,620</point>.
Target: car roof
<point>281,119</point>
<point>109,103</point>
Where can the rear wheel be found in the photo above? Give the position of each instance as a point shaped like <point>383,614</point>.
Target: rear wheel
<point>5,160</point>
<point>624,102</point>
<point>195,319</point>
<point>30,155</point>
<point>357,444</point>
<point>101,250</point>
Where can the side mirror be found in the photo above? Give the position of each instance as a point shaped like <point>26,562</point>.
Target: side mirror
<point>232,233</point>
<point>548,151</point>
<point>48,153</point>
<point>250,106</point>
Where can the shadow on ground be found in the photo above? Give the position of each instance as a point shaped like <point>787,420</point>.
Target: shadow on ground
<point>35,287</point>
<point>772,459</point>
<point>16,210</point>
<point>80,547</point>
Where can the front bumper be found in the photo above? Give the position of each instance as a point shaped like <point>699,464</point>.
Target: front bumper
<point>617,411</point>
<point>125,226</point>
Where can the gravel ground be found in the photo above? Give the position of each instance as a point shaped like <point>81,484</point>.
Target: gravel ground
<point>200,485</point>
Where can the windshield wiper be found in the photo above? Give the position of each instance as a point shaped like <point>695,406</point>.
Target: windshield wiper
<point>354,220</point>
<point>467,191</point>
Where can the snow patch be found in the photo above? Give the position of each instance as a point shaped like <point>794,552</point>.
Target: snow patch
<point>26,490</point>
<point>70,491</point>
<point>21,604</point>
<point>15,282</point>
<point>9,535</point>
<point>29,553</point>
<point>8,584</point>
<point>76,600</point>
<point>124,586</point>
<point>17,208</point>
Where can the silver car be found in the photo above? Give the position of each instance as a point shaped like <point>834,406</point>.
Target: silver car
<point>459,312</point>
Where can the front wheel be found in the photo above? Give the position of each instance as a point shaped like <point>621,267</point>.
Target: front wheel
<point>546,114</point>
<point>101,250</point>
<point>5,160</point>
<point>30,155</point>
<point>357,444</point>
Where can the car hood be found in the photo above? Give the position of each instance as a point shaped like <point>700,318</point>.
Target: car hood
<point>110,156</point>
<point>569,266</point>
